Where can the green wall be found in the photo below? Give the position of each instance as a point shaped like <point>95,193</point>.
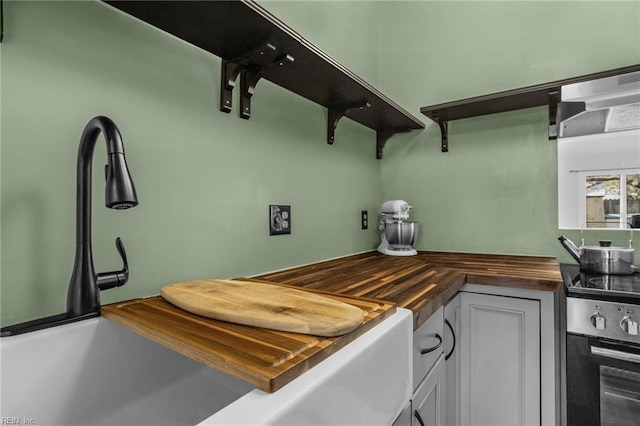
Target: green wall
<point>496,189</point>
<point>204,178</point>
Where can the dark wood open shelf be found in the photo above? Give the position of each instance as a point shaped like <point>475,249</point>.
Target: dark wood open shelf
<point>254,44</point>
<point>509,100</point>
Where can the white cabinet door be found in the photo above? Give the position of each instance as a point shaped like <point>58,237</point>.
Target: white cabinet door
<point>428,401</point>
<point>452,361</point>
<point>500,360</point>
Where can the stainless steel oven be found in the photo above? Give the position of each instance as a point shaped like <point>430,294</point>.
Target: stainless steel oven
<point>602,349</point>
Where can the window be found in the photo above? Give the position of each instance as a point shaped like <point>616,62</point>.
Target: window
<point>599,181</point>
<point>610,204</point>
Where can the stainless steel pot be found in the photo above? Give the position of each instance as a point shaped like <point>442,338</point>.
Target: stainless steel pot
<point>602,259</point>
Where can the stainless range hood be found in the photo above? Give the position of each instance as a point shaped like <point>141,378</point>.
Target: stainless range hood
<point>605,105</point>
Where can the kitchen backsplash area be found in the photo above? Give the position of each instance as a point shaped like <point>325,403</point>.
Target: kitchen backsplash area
<point>495,191</point>
<point>205,179</point>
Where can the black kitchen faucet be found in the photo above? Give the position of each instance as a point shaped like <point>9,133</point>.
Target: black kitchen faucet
<point>83,297</point>
<point>120,193</point>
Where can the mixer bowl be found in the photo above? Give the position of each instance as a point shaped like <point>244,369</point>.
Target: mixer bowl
<point>401,235</point>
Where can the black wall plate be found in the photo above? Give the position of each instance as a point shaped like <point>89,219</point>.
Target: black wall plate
<point>279,219</point>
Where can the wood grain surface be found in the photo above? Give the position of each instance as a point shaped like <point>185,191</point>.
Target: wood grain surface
<point>268,359</point>
<point>526,272</point>
<point>371,281</point>
<point>424,282</point>
<point>265,305</point>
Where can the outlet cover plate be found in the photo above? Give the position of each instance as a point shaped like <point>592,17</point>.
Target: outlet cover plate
<point>279,219</point>
<point>364,219</point>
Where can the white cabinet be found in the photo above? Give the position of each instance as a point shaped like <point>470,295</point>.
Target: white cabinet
<point>452,361</point>
<point>429,372</point>
<point>427,346</point>
<point>499,366</point>
<point>500,360</point>
<point>510,340</point>
<point>428,402</point>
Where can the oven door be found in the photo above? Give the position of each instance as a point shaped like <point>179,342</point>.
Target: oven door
<point>603,382</point>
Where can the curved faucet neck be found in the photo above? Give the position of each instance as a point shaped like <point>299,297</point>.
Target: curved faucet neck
<point>88,142</point>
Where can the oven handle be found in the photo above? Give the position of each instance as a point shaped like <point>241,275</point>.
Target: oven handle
<point>610,353</point>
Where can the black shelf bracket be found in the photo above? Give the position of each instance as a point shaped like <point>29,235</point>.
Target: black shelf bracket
<point>229,74</point>
<point>335,114</point>
<point>1,21</point>
<point>382,136</point>
<point>249,78</point>
<point>231,68</point>
<point>554,100</point>
<point>444,132</point>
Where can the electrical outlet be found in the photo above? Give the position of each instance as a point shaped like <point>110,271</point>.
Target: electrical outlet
<point>279,219</point>
<point>364,219</point>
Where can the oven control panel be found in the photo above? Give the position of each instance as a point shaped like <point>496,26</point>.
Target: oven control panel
<point>598,318</point>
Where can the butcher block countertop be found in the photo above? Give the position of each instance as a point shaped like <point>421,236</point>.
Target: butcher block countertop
<point>424,282</point>
<point>371,281</point>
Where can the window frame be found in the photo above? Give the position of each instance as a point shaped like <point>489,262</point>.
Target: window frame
<point>611,153</point>
<point>622,174</point>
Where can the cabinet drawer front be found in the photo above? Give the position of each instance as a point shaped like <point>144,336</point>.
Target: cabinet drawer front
<point>427,345</point>
<point>428,405</point>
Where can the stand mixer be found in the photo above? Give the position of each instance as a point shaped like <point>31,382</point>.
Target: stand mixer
<point>398,234</point>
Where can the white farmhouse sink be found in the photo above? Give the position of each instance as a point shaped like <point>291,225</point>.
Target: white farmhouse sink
<point>95,372</point>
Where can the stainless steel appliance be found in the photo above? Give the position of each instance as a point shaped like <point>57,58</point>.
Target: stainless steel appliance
<point>602,348</point>
<point>605,105</point>
<point>603,258</point>
<point>398,233</point>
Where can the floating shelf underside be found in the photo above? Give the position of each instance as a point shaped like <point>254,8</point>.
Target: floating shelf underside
<point>232,29</point>
<point>509,100</point>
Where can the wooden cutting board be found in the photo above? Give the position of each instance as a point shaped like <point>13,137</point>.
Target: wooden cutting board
<point>268,359</point>
<point>265,305</point>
